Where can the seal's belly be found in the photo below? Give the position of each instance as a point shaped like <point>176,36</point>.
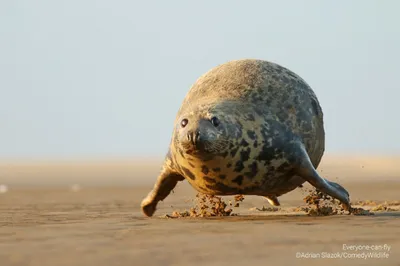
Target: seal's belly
<point>228,178</point>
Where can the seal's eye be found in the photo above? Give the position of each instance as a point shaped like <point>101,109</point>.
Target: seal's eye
<point>184,122</point>
<point>215,121</point>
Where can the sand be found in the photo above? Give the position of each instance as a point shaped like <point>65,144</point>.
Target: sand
<point>87,213</point>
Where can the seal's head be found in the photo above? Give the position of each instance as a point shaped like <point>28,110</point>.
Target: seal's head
<point>203,132</point>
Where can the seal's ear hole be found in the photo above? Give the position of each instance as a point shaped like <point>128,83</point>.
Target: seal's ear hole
<point>215,121</point>
<point>184,122</point>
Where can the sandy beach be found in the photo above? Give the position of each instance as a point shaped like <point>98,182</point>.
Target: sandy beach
<point>87,213</point>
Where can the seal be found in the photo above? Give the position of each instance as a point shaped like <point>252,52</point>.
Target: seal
<point>248,127</point>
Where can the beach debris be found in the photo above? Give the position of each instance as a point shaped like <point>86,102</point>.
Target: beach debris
<point>265,209</point>
<point>321,204</point>
<point>393,203</point>
<point>379,206</point>
<point>365,203</point>
<point>360,211</point>
<point>386,203</point>
<point>382,207</point>
<point>317,203</point>
<point>208,206</point>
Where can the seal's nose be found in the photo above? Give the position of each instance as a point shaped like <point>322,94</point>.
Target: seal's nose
<point>194,137</point>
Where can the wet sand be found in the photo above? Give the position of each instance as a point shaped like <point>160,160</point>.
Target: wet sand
<point>43,221</point>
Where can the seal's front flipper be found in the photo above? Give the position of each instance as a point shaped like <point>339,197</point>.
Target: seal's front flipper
<point>273,200</point>
<point>165,183</point>
<point>307,171</point>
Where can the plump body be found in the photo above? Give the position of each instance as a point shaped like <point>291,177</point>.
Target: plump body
<point>246,127</point>
<point>268,106</point>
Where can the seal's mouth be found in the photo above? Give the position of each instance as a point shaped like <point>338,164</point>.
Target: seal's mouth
<point>202,155</point>
<point>194,148</point>
<point>198,151</point>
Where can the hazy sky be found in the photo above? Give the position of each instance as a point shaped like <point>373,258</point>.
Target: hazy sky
<point>106,78</point>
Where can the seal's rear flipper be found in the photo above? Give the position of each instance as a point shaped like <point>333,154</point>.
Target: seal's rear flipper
<point>307,171</point>
<point>273,200</point>
<point>165,183</point>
